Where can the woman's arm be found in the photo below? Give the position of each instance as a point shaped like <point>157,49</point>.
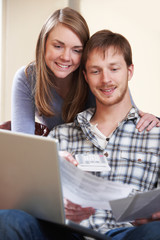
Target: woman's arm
<point>23,105</point>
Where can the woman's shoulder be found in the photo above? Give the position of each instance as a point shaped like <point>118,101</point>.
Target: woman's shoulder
<point>26,71</point>
<point>20,71</point>
<point>25,76</point>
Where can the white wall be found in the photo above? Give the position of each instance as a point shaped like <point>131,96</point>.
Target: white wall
<point>22,24</point>
<point>0,50</point>
<point>2,55</point>
<point>139,22</point>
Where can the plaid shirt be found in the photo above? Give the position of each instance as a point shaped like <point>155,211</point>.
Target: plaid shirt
<point>134,157</point>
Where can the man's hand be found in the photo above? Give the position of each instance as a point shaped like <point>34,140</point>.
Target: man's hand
<point>147,121</point>
<point>155,217</point>
<point>68,157</point>
<point>76,213</point>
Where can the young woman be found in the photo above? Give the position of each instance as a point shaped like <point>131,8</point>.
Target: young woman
<point>51,88</point>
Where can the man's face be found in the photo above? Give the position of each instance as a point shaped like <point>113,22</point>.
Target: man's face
<point>108,75</point>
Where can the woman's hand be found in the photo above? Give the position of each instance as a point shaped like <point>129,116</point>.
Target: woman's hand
<point>68,157</point>
<point>147,121</point>
<point>76,213</point>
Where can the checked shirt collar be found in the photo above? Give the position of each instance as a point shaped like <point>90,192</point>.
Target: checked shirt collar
<point>83,120</point>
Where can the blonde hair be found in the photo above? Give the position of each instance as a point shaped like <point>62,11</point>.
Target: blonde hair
<point>75,102</point>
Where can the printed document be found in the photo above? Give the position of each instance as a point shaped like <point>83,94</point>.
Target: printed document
<point>88,190</point>
<point>141,205</point>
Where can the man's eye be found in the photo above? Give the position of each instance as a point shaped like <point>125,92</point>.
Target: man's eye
<point>57,46</point>
<point>114,69</point>
<point>95,72</point>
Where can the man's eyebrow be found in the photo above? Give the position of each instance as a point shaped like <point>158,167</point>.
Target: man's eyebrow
<point>110,64</point>
<point>114,63</point>
<point>93,66</point>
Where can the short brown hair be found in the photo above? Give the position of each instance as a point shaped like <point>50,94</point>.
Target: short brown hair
<point>104,39</point>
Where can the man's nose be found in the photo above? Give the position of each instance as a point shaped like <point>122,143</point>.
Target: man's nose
<point>105,76</point>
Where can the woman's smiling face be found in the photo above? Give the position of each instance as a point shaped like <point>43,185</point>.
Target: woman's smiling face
<point>63,51</point>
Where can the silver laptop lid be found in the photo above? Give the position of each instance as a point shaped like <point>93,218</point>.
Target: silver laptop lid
<point>30,179</point>
<point>30,175</point>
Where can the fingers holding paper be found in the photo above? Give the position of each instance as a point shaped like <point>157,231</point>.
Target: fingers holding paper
<point>76,213</point>
<point>155,217</point>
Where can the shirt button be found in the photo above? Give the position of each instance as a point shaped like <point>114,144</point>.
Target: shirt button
<point>106,154</point>
<point>139,160</point>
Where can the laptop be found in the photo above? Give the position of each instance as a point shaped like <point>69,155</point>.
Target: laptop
<point>30,179</point>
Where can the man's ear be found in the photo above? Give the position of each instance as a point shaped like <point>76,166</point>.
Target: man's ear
<point>130,71</point>
<point>85,75</point>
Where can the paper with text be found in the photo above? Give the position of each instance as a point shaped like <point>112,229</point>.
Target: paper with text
<point>141,205</point>
<point>88,190</point>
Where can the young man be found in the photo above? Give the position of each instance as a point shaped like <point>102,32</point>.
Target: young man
<point>109,130</point>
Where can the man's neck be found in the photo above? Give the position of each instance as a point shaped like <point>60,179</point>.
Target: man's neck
<point>108,117</point>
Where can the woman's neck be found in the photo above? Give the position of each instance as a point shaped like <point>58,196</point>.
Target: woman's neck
<point>63,85</point>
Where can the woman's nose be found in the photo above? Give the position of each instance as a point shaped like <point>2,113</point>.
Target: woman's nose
<point>66,55</point>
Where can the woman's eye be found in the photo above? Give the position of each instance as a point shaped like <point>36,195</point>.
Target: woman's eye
<point>79,51</point>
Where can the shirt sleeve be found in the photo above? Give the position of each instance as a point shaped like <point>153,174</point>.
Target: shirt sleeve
<point>23,104</point>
